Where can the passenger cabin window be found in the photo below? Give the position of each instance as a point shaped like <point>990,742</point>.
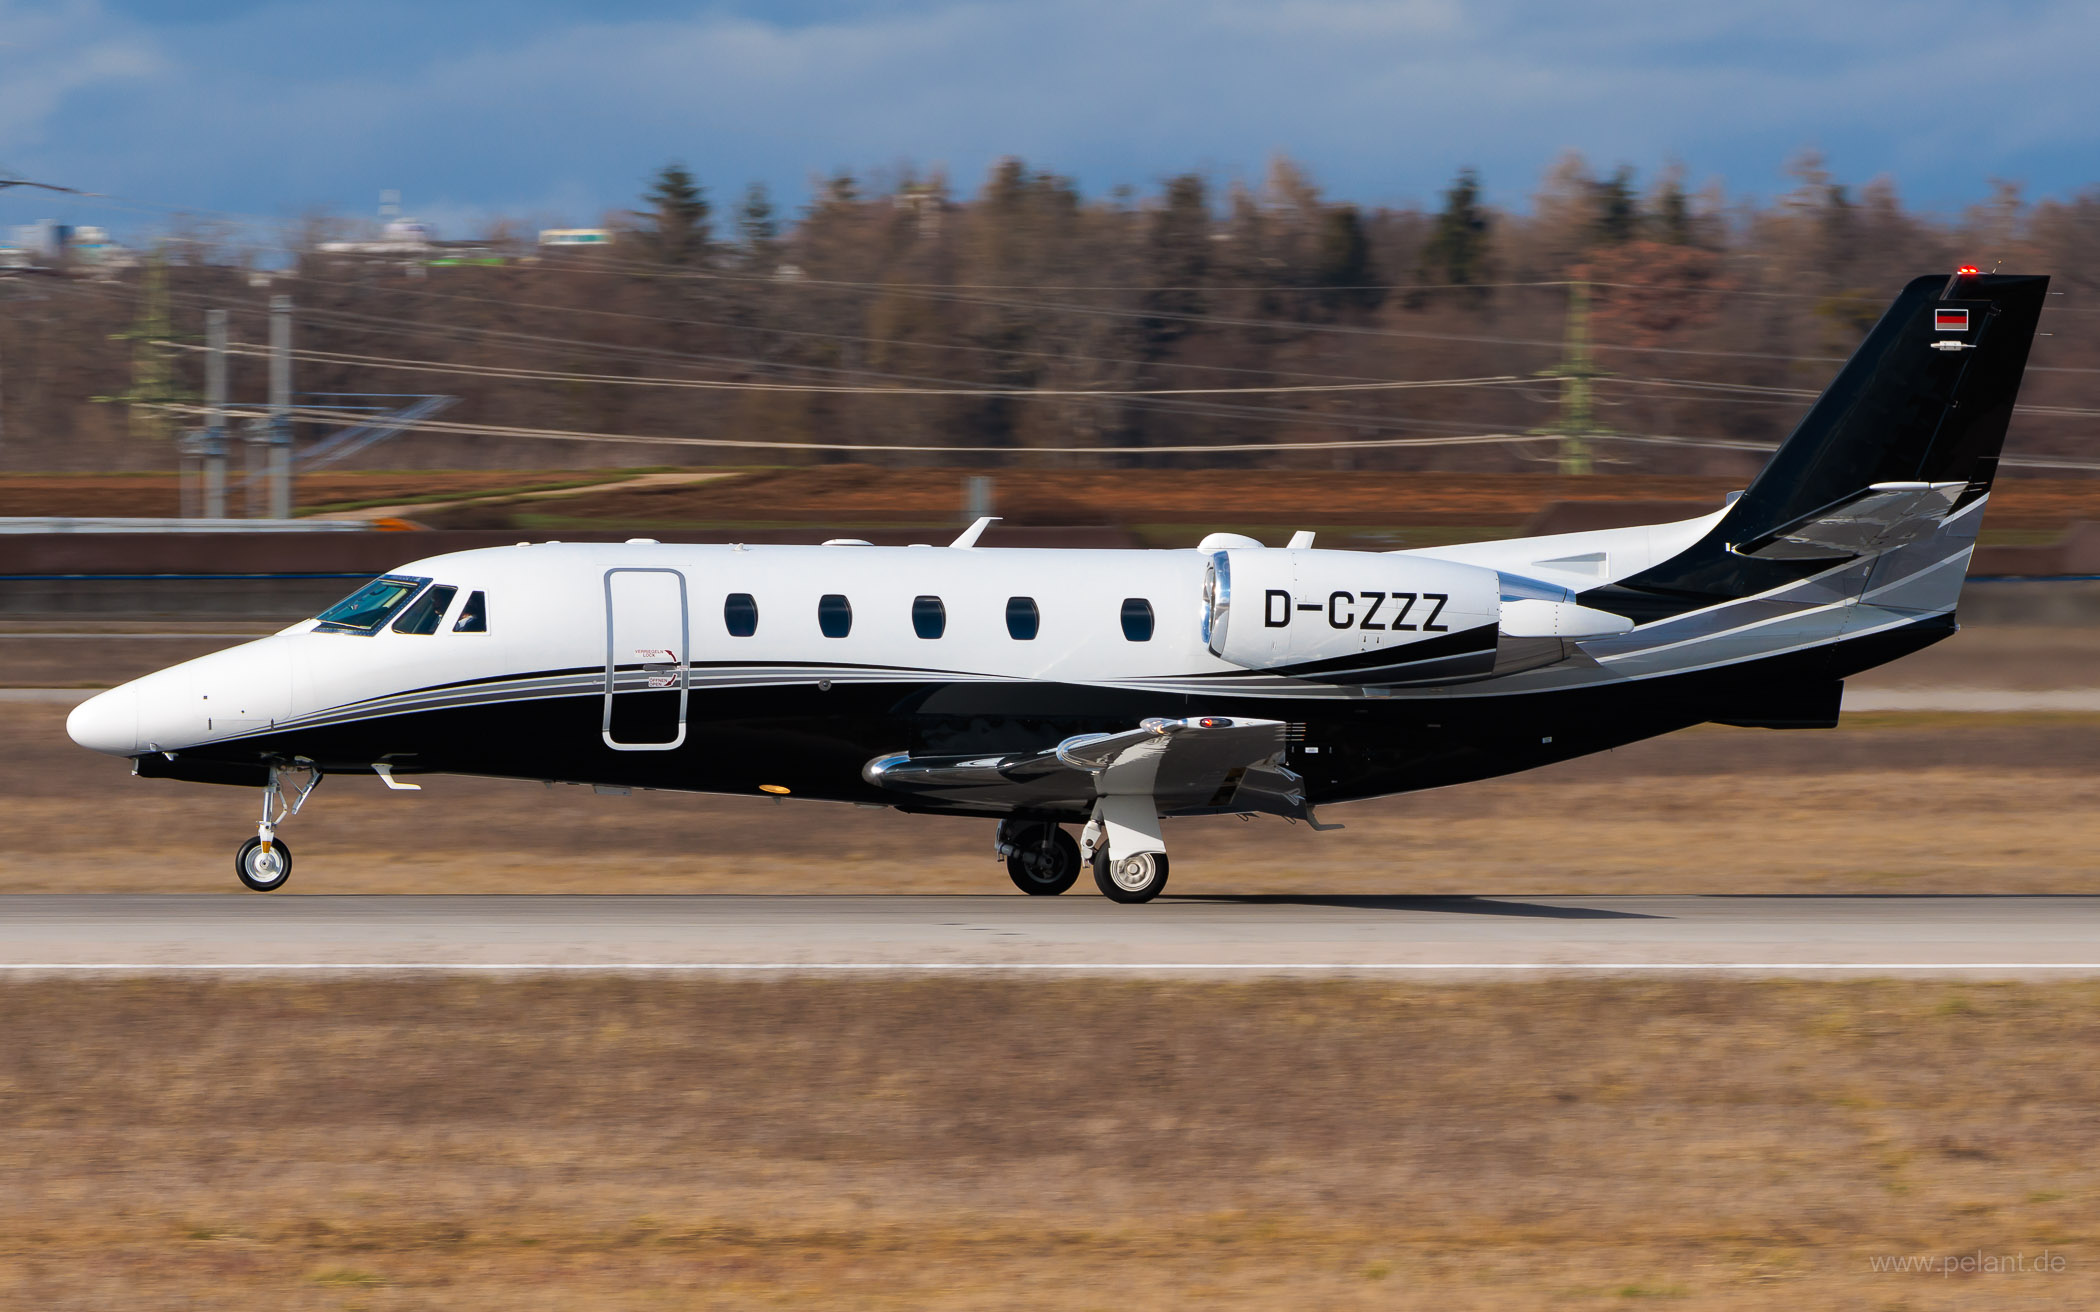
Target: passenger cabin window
<point>424,612</point>
<point>834,615</point>
<point>364,610</point>
<point>1022,618</point>
<point>1137,619</point>
<point>474,616</point>
<point>929,619</point>
<point>740,614</point>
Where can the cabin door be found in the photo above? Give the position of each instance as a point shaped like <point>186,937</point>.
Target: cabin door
<point>647,631</point>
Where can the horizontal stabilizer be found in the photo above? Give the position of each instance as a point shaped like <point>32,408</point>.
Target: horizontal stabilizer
<point>1885,516</point>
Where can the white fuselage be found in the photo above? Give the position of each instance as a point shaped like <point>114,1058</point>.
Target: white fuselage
<point>579,607</point>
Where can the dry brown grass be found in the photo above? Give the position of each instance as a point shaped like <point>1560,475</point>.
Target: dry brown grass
<point>590,1142</point>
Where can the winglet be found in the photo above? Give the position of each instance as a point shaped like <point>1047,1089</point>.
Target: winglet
<point>975,531</point>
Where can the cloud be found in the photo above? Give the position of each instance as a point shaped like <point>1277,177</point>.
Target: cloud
<point>554,109</point>
<point>51,52</point>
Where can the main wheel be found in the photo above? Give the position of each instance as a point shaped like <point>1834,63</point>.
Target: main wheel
<point>1045,861</point>
<point>263,872</point>
<point>1131,879</point>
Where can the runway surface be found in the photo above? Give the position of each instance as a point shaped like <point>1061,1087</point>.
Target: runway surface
<point>1431,936</point>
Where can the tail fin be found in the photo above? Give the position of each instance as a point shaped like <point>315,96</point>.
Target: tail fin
<point>1902,442</point>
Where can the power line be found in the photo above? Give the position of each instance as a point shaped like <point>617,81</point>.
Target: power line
<point>732,385</point>
<point>1181,406</point>
<point>9,180</point>
<point>1478,439</point>
<point>1159,398</point>
<point>646,439</point>
<point>1759,395</point>
<point>932,292</point>
<point>904,343</point>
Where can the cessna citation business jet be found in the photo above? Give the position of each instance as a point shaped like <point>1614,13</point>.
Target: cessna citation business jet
<point>1111,689</point>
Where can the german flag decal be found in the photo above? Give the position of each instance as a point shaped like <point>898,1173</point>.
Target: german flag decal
<point>1950,321</point>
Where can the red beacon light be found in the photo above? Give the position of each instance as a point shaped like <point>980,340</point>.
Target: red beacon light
<point>1965,271</point>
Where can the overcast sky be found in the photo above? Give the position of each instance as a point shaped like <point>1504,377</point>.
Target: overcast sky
<point>556,111</point>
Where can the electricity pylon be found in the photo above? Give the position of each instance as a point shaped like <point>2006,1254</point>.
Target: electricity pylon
<point>153,385</point>
<point>1575,371</point>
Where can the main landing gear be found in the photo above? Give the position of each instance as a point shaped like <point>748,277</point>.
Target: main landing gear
<point>1123,844</point>
<point>264,863</point>
<point>1041,858</point>
<point>1132,878</point>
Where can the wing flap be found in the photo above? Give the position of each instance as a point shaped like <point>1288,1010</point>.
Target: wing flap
<point>1203,763</point>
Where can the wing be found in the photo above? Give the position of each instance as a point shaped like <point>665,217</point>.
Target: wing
<point>1194,766</point>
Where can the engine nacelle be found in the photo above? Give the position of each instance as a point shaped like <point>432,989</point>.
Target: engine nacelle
<point>1352,616</point>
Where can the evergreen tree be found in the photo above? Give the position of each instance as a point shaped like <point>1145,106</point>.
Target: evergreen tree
<point>1458,246</point>
<point>1669,217</point>
<point>758,228</point>
<point>1178,257</point>
<point>1342,260</point>
<point>677,218</point>
<point>1615,210</point>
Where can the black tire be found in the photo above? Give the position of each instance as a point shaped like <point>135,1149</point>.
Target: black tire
<point>1046,864</point>
<point>248,861</point>
<point>1129,889</point>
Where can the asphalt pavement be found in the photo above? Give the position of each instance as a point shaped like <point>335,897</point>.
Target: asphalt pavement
<point>1079,933</point>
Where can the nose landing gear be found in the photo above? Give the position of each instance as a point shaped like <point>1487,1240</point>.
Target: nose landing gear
<point>264,862</point>
<point>263,869</point>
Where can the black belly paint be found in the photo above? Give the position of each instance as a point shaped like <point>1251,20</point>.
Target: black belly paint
<point>813,740</point>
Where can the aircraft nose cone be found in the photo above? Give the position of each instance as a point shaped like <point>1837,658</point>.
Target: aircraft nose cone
<point>108,721</point>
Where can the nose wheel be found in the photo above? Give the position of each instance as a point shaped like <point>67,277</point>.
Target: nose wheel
<point>264,862</point>
<point>263,869</point>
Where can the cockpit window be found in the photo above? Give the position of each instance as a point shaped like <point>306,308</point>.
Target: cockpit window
<point>364,610</point>
<point>424,612</point>
<point>474,616</point>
